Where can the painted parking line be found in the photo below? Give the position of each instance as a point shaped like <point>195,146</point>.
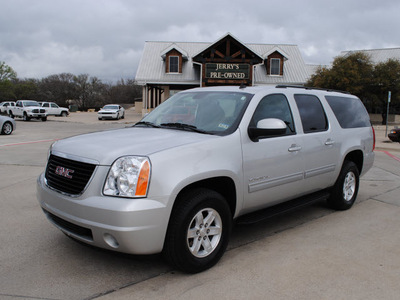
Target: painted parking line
<point>389,154</point>
<point>27,143</point>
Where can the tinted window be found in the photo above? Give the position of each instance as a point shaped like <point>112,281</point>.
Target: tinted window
<point>312,113</point>
<point>350,112</point>
<point>277,107</point>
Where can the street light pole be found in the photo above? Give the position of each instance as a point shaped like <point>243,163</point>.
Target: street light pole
<point>387,112</point>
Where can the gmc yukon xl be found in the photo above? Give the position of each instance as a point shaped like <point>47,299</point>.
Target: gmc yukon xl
<point>176,181</point>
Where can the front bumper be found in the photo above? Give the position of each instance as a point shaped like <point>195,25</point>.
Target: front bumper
<point>36,115</point>
<point>108,115</point>
<point>135,226</point>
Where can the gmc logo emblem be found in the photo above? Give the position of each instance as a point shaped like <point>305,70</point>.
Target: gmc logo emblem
<point>64,172</point>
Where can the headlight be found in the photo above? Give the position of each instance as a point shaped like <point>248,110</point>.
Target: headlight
<point>129,176</point>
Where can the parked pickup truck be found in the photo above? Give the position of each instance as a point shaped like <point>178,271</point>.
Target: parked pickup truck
<point>27,109</point>
<point>53,109</point>
<point>177,180</point>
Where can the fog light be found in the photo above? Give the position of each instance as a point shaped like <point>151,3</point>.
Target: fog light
<point>110,240</point>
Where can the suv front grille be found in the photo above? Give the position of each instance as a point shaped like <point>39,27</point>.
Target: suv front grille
<point>68,176</point>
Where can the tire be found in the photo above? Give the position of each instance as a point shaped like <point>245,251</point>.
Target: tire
<point>123,116</point>
<point>64,114</point>
<point>44,119</point>
<point>26,118</point>
<point>7,128</point>
<point>192,244</point>
<point>344,192</point>
<point>10,114</point>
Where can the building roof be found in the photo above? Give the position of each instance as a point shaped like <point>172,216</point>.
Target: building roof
<point>151,68</point>
<point>378,55</point>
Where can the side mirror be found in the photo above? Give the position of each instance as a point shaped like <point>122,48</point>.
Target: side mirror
<point>267,128</point>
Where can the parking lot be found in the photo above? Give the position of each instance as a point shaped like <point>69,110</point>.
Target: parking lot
<point>314,253</point>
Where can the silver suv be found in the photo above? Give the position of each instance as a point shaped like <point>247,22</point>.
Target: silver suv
<point>177,180</point>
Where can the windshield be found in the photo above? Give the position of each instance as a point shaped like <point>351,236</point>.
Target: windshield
<point>110,107</point>
<point>208,112</point>
<point>31,103</point>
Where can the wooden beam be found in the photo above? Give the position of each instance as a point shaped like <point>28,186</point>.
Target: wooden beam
<point>237,54</point>
<point>219,54</point>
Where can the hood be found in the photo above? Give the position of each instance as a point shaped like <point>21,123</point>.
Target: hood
<point>106,146</point>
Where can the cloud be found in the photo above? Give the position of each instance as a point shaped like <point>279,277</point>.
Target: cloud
<point>106,38</point>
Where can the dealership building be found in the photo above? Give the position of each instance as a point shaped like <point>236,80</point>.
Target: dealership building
<point>169,67</point>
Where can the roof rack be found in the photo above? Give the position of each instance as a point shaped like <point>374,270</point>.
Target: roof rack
<point>284,86</point>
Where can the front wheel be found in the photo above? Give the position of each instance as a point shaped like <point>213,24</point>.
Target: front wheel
<point>198,231</point>
<point>7,128</point>
<point>26,118</point>
<point>344,192</point>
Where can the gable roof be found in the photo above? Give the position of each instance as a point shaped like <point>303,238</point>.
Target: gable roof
<point>231,37</point>
<point>177,48</point>
<point>151,69</point>
<point>276,49</point>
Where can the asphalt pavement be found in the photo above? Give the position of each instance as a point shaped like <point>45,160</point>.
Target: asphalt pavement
<point>315,253</point>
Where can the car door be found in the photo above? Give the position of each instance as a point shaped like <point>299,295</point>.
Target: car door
<point>55,110</point>
<point>46,106</point>
<point>272,166</point>
<point>320,147</point>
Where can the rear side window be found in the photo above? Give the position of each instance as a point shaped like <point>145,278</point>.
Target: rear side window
<point>350,112</point>
<point>312,113</point>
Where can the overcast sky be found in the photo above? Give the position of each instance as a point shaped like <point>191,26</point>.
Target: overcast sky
<point>105,38</point>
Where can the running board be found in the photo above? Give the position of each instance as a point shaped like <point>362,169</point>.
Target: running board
<point>282,208</point>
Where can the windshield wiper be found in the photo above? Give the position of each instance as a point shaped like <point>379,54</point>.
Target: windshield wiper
<point>149,124</point>
<point>184,127</point>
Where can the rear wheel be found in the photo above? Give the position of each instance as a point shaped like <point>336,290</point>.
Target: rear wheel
<point>344,192</point>
<point>198,232</point>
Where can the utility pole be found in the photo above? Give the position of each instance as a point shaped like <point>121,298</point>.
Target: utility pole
<point>387,112</point>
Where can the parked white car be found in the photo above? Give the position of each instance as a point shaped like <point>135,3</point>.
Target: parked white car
<point>53,109</point>
<point>111,111</point>
<point>27,109</point>
<point>5,105</point>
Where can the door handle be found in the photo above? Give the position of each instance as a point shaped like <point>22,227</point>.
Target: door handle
<point>294,148</point>
<point>329,142</point>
